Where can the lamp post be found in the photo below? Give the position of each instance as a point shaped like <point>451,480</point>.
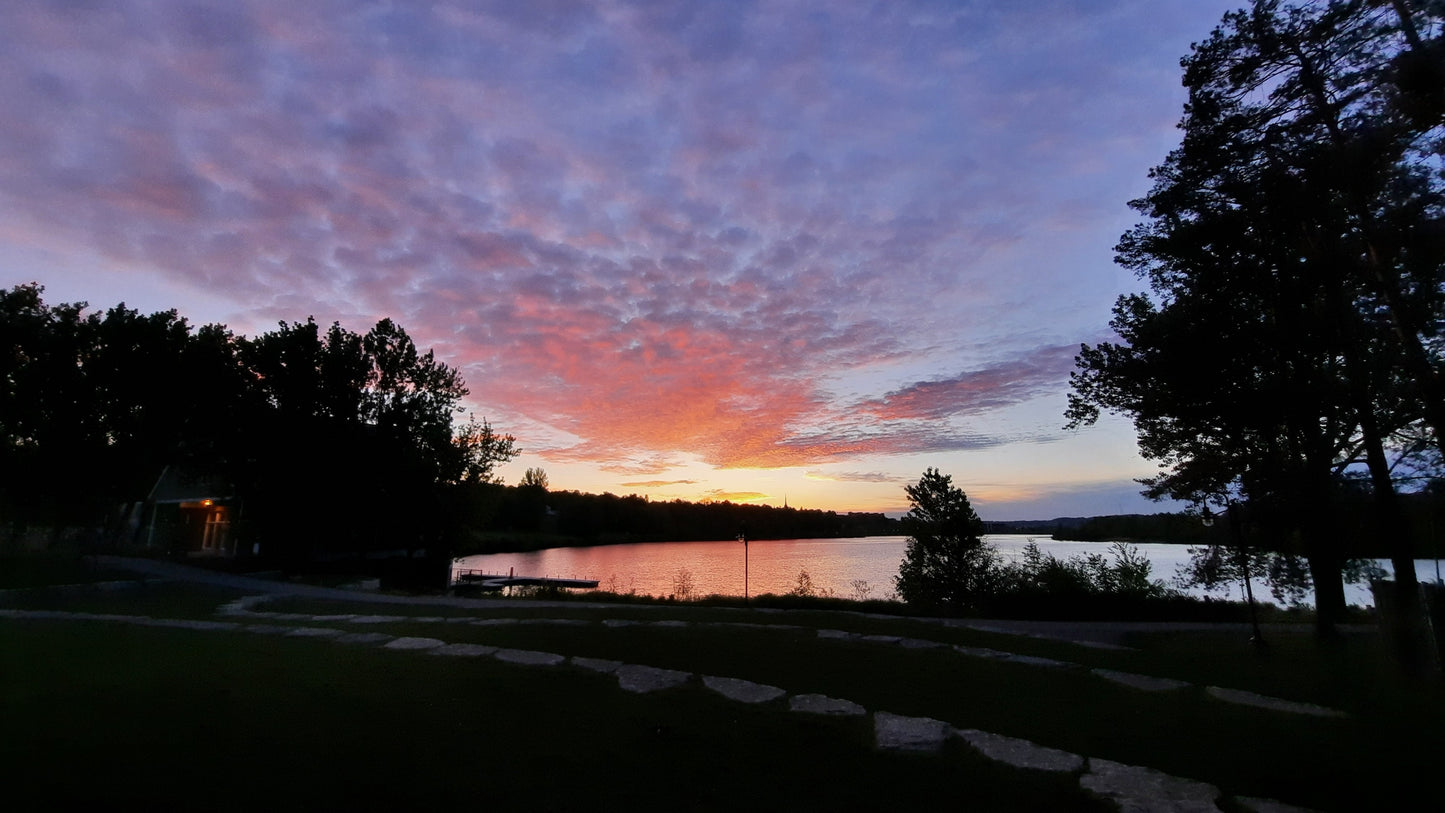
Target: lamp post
<point>743,538</point>
<point>1236,532</point>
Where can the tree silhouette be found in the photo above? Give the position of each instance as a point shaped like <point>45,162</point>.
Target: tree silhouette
<point>1292,244</point>
<point>946,563</point>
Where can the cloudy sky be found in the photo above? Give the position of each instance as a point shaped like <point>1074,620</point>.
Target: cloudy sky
<point>775,250</point>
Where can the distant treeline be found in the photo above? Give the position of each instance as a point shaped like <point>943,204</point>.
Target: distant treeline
<point>1356,532</point>
<point>523,517</point>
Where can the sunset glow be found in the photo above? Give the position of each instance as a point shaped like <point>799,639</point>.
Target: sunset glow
<point>709,251</point>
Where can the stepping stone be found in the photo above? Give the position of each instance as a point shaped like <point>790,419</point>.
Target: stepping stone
<point>619,622</point>
<point>494,622</point>
<point>313,632</point>
<point>1254,805</point>
<point>596,664</point>
<point>463,650</point>
<point>670,623</point>
<point>364,638</point>
<point>920,643</point>
<point>185,624</point>
<point>528,657</point>
<point>1145,790</point>
<point>1035,660</point>
<point>881,639</point>
<point>415,643</point>
<point>267,629</point>
<point>377,619</point>
<point>839,634</point>
<point>895,732</point>
<point>743,691</point>
<point>1272,703</point>
<point>1021,753</point>
<point>329,619</point>
<point>822,704</point>
<point>982,652</point>
<point>289,616</point>
<point>1143,682</point>
<point>634,678</point>
<point>427,619</point>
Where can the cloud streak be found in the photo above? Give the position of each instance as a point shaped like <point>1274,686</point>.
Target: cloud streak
<point>744,234</point>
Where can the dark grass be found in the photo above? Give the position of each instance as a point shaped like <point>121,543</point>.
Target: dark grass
<point>154,598</point>
<point>102,713</point>
<point>1323,763</point>
<point>1370,761</point>
<point>54,568</point>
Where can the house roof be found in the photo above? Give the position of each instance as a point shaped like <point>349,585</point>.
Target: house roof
<point>188,484</point>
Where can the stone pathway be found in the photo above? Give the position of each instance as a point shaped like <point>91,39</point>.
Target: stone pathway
<point>1131,788</point>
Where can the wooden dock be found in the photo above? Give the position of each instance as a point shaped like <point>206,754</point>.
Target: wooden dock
<point>496,581</point>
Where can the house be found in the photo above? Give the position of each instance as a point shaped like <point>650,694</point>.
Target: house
<point>190,512</point>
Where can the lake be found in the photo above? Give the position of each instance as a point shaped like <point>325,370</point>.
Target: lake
<point>848,567</point>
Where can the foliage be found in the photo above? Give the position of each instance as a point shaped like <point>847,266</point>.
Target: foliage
<point>1126,575</point>
<point>335,440</point>
<point>683,584</point>
<point>946,562</point>
<point>805,587</point>
<point>1292,249</point>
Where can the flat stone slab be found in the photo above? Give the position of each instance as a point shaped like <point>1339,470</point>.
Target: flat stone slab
<point>838,634</point>
<point>881,639</point>
<point>822,704</point>
<point>556,622</point>
<point>1255,805</point>
<point>1143,682</point>
<point>463,650</point>
<point>1272,703</point>
<point>1035,660</point>
<point>618,622</point>
<point>1145,790</point>
<point>920,643</point>
<point>672,623</point>
<point>634,678</point>
<point>743,691</point>
<point>981,652</point>
<point>494,622</point>
<point>313,632</point>
<point>596,664</point>
<point>267,629</point>
<point>415,643</point>
<point>899,733</point>
<point>187,624</point>
<point>377,619</point>
<point>1021,753</point>
<point>333,619</point>
<point>529,657</point>
<point>426,619</point>
<point>364,638</point>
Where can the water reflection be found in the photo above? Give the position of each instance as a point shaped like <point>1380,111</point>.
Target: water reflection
<point>840,565</point>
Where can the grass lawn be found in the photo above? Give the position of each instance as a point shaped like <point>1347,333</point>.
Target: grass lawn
<point>110,711</point>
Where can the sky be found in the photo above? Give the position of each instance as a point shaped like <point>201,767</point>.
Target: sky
<point>770,252</point>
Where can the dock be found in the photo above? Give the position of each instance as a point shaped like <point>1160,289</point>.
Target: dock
<point>497,581</point>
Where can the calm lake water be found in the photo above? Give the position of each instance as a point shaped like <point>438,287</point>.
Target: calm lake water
<point>845,566</point>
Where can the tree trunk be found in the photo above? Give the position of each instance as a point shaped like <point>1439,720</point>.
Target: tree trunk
<point>1409,636</point>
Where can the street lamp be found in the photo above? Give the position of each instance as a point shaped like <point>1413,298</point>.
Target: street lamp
<point>1236,532</point>
<point>743,538</point>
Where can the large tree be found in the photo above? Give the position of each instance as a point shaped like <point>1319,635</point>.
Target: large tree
<point>1292,246</point>
<point>946,563</point>
<point>337,440</point>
